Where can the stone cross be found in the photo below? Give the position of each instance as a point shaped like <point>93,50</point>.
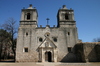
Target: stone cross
<point>47,20</point>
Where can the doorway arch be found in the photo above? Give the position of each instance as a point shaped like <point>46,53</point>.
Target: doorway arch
<point>48,56</point>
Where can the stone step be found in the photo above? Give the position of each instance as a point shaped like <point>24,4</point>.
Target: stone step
<point>48,64</point>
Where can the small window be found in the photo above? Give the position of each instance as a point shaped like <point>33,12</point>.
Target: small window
<point>25,49</point>
<point>55,39</point>
<point>68,33</point>
<point>66,16</point>
<point>40,39</point>
<point>28,16</point>
<point>69,49</point>
<point>26,33</point>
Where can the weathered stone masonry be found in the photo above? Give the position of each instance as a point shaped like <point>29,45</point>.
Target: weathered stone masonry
<point>52,44</point>
<point>88,52</point>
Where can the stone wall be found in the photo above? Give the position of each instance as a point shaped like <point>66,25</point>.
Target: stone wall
<point>97,50</point>
<point>88,52</point>
<point>27,57</point>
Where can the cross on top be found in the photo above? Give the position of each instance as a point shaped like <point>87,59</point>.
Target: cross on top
<point>47,20</point>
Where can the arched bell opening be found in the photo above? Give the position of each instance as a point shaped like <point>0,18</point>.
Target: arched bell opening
<point>66,17</point>
<point>28,16</point>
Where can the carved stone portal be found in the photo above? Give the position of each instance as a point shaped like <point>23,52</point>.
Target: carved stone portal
<point>47,51</point>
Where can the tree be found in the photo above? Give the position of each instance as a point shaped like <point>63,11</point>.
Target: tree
<point>4,43</point>
<point>96,40</point>
<point>10,26</point>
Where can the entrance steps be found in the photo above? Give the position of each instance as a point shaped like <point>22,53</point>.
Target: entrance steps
<point>68,64</point>
<point>47,64</point>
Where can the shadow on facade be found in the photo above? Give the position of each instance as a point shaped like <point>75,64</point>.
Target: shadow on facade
<point>83,52</point>
<point>97,50</point>
<point>79,52</point>
<point>92,52</point>
<point>75,56</point>
<point>92,55</point>
<point>70,57</point>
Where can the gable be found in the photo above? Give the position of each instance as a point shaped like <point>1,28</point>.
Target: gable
<point>47,43</point>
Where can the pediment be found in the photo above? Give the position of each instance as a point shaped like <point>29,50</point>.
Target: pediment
<point>47,43</point>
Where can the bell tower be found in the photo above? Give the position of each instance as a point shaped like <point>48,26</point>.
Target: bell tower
<point>65,17</point>
<point>29,16</point>
<point>67,24</point>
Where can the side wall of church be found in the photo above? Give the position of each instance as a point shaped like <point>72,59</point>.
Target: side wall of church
<point>89,52</point>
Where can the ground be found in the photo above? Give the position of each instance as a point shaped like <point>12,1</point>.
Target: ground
<point>48,64</point>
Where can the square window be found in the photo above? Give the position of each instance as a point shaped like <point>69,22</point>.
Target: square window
<point>68,33</point>
<point>26,33</point>
<point>25,49</point>
<point>69,49</point>
<point>55,39</point>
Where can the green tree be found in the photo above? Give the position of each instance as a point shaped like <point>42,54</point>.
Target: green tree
<point>4,43</point>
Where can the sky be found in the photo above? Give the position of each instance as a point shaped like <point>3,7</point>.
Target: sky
<point>86,14</point>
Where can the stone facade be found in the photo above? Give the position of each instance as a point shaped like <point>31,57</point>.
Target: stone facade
<point>50,44</point>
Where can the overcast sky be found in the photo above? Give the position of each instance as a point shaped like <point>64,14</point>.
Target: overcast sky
<point>86,13</point>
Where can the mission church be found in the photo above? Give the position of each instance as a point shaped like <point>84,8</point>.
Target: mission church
<point>52,44</point>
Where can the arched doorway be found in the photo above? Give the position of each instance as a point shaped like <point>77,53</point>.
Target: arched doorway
<point>48,56</point>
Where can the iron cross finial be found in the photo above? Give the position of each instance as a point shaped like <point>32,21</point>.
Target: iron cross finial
<point>47,20</point>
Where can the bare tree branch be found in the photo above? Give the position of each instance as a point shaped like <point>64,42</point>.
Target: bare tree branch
<point>10,26</point>
<point>96,40</point>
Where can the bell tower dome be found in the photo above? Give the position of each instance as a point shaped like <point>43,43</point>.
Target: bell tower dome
<point>29,16</point>
<point>65,17</point>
